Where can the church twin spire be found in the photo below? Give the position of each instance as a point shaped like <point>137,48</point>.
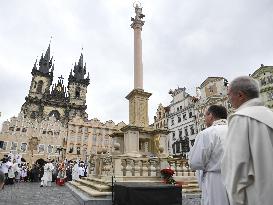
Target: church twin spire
<point>78,73</point>
<point>45,62</point>
<point>79,70</point>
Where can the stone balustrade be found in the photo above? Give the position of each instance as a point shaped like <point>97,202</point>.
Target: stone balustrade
<point>181,167</point>
<point>107,165</point>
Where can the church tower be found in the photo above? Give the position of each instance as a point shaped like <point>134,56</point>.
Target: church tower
<point>77,89</point>
<point>40,86</point>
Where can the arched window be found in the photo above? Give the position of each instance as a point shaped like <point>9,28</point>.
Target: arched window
<point>77,93</point>
<point>40,86</point>
<point>56,114</point>
<point>33,115</point>
<point>34,84</point>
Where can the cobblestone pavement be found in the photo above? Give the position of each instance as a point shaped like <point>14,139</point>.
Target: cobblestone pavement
<point>191,200</point>
<point>32,194</point>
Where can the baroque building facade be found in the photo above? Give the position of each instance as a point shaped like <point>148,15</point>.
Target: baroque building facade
<point>179,119</point>
<point>89,137</point>
<point>32,139</point>
<point>213,91</point>
<point>264,75</point>
<point>45,99</point>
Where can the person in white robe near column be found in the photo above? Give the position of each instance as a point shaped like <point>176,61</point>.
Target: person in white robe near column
<point>247,165</point>
<point>206,155</point>
<point>81,170</point>
<point>75,171</point>
<point>47,177</point>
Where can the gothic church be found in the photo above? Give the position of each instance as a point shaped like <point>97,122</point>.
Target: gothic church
<point>45,100</point>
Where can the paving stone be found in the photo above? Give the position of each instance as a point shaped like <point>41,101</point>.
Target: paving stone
<point>33,194</point>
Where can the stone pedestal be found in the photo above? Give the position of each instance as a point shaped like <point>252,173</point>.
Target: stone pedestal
<point>138,107</point>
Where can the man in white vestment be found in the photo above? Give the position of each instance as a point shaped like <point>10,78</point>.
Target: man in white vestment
<point>81,170</point>
<point>75,171</point>
<point>47,177</point>
<point>206,155</point>
<point>247,165</point>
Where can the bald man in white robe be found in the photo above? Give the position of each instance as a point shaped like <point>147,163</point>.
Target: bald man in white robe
<point>247,166</point>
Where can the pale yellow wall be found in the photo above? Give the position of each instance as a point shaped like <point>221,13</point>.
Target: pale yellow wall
<point>91,134</point>
<point>48,132</point>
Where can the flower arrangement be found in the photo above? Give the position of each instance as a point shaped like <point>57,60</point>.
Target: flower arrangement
<point>167,175</point>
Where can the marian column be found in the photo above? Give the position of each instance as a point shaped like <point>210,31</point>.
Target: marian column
<point>138,99</point>
<point>138,67</point>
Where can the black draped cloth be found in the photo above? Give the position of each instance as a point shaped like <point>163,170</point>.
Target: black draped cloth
<point>146,194</point>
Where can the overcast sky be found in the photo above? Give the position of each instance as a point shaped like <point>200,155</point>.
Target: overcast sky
<point>184,42</point>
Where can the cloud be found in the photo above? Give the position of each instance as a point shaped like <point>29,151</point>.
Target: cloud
<point>184,42</point>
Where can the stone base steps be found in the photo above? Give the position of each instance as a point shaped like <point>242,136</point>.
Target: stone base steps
<point>190,186</point>
<point>90,191</point>
<point>100,186</point>
<point>87,199</point>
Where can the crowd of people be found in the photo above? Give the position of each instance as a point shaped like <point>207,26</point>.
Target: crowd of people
<point>14,170</point>
<point>233,157</point>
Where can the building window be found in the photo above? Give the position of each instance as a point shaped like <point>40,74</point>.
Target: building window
<point>79,138</point>
<point>173,136</point>
<point>18,129</point>
<point>192,142</point>
<point>13,146</point>
<point>270,96</point>
<point>85,138</point>
<point>172,121</point>
<point>78,150</point>
<point>190,114</point>
<point>41,148</point>
<point>179,118</point>
<point>181,107</point>
<point>186,131</point>
<point>49,148</point>
<point>34,84</point>
<point>94,149</point>
<point>177,147</point>
<point>211,89</point>
<point>177,109</point>
<point>184,116</point>
<point>80,129</point>
<point>71,148</point>
<point>33,115</point>
<point>94,139</point>
<point>24,147</point>
<point>192,130</point>
<point>11,128</point>
<point>270,79</point>
<point>202,127</point>
<point>40,86</point>
<point>180,133</point>
<point>24,130</point>
<point>4,147</point>
<point>77,92</point>
<point>44,132</point>
<point>173,146</point>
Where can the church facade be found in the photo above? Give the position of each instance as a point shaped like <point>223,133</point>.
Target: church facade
<point>46,99</point>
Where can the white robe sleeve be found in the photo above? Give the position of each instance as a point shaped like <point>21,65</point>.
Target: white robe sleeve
<point>236,161</point>
<point>200,153</point>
